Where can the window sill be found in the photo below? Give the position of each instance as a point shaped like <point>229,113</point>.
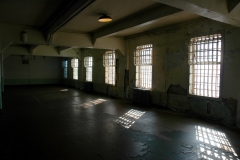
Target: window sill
<point>205,98</point>
<point>144,89</point>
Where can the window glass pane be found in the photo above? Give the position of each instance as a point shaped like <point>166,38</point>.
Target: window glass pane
<point>88,63</point>
<point>65,68</point>
<point>74,65</point>
<point>205,65</point>
<point>75,73</point>
<point>109,64</point>
<point>143,63</point>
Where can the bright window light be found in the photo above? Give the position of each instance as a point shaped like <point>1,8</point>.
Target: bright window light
<point>88,63</point>
<point>143,63</point>
<point>129,118</point>
<point>65,68</point>
<point>74,65</point>
<point>215,145</point>
<point>109,64</point>
<point>205,54</point>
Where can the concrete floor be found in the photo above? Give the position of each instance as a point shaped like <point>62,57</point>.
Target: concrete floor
<point>54,122</point>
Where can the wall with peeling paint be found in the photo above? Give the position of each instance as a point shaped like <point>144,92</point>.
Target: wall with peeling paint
<point>171,70</point>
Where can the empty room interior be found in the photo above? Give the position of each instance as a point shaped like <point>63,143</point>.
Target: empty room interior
<point>120,79</point>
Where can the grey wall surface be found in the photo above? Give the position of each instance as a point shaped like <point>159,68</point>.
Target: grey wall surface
<point>39,70</point>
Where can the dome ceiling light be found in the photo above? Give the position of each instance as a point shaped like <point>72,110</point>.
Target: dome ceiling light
<point>105,18</point>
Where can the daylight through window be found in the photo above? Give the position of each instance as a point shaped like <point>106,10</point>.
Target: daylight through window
<point>205,65</point>
<point>143,63</point>
<point>74,64</point>
<point>109,64</point>
<point>65,68</point>
<point>88,63</point>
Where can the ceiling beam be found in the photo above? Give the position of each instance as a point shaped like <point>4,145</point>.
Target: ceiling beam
<point>31,48</point>
<point>61,49</point>
<point>139,19</point>
<point>65,14</point>
<point>214,9</point>
<point>232,5</point>
<point>111,43</point>
<point>71,40</point>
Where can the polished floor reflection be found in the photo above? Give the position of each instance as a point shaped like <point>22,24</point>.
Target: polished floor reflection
<point>55,122</point>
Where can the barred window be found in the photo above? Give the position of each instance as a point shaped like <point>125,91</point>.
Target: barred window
<point>65,68</point>
<point>109,64</point>
<point>88,63</point>
<point>74,65</point>
<point>204,58</point>
<point>143,63</point>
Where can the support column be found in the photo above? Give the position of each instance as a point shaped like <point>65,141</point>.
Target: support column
<point>1,63</point>
<point>2,77</point>
<point>238,109</point>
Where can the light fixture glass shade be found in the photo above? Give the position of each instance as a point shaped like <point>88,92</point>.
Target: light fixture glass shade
<point>105,18</point>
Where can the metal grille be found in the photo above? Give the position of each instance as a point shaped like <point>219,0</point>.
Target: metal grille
<point>65,68</point>
<point>88,63</point>
<point>109,59</point>
<point>205,54</point>
<point>74,65</point>
<point>143,63</point>
<point>109,64</point>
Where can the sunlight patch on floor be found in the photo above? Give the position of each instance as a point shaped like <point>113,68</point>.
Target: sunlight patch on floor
<point>129,118</point>
<point>92,103</point>
<point>214,146</point>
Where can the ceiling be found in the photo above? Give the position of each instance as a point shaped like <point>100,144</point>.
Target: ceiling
<point>64,18</point>
<point>38,13</point>
<point>33,13</point>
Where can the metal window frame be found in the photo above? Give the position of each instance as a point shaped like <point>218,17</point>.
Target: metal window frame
<point>74,65</point>
<point>220,64</point>
<point>88,63</point>
<point>143,61</point>
<point>65,68</point>
<point>109,62</point>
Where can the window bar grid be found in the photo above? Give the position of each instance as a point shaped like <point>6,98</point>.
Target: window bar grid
<point>88,63</point>
<point>143,63</point>
<point>109,64</point>
<point>89,74</point>
<point>205,64</point>
<point>74,65</point>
